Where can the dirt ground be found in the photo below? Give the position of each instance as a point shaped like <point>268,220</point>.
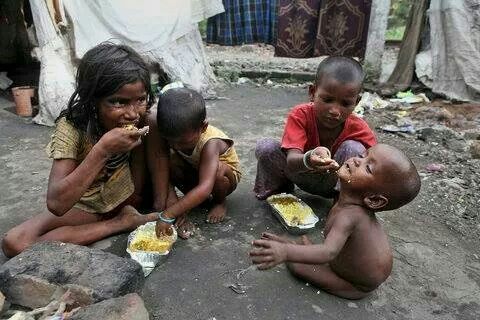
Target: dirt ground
<point>436,272</point>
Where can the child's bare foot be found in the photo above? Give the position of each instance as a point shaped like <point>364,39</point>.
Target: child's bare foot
<point>129,218</point>
<point>217,213</point>
<point>185,228</point>
<point>274,237</point>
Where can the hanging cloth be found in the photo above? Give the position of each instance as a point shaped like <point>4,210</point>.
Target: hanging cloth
<point>311,28</point>
<point>243,22</point>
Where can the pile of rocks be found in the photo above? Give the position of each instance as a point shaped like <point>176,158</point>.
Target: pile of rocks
<point>66,281</point>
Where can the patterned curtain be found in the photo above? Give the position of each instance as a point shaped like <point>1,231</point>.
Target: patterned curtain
<point>244,21</point>
<point>310,28</point>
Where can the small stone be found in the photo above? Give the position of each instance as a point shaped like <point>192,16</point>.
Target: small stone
<point>242,80</point>
<point>21,315</point>
<point>435,167</point>
<point>128,307</point>
<point>4,304</point>
<point>475,149</point>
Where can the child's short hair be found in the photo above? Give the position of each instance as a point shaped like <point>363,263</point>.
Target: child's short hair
<point>342,69</point>
<point>180,110</point>
<point>404,182</point>
<point>103,70</point>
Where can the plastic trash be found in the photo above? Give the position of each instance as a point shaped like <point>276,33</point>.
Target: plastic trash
<point>409,97</point>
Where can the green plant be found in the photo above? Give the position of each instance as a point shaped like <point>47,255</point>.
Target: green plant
<point>202,27</point>
<point>397,19</point>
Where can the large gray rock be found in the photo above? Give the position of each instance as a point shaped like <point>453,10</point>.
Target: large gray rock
<point>47,269</point>
<point>128,307</point>
<point>4,304</point>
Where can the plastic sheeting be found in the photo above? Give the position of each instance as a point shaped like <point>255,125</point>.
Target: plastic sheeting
<point>142,24</point>
<point>185,60</point>
<point>56,83</point>
<point>455,48</point>
<point>164,32</point>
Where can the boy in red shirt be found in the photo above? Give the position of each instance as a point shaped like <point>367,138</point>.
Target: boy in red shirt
<point>314,131</point>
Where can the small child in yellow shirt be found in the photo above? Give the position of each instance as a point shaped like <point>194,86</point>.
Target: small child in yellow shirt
<point>186,152</point>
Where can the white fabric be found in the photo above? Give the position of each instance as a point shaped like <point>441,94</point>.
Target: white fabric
<point>164,32</point>
<point>44,26</point>
<point>185,60</point>
<point>203,9</point>
<point>56,83</point>
<point>142,24</point>
<point>455,47</point>
<point>423,67</point>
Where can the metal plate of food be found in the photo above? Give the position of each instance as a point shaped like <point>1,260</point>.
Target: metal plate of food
<point>144,247</point>
<point>295,215</point>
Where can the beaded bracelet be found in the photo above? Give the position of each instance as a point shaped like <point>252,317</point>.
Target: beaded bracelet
<point>305,156</point>
<point>163,219</point>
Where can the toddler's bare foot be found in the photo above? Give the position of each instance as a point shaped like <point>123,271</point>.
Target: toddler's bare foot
<point>185,228</point>
<point>217,213</point>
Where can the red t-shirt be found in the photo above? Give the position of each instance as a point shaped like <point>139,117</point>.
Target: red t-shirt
<point>301,130</point>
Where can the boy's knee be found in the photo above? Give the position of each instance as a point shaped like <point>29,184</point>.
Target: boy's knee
<point>266,147</point>
<point>352,146</point>
<point>348,149</point>
<point>224,179</point>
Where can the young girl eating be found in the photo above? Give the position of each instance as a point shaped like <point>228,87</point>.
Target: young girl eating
<point>98,170</point>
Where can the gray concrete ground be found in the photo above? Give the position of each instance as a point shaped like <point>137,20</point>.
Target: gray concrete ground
<point>436,271</point>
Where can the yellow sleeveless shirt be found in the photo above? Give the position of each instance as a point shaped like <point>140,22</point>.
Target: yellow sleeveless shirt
<point>229,157</point>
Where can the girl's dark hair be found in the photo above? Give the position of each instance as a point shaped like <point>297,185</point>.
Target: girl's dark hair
<point>180,110</point>
<point>103,70</point>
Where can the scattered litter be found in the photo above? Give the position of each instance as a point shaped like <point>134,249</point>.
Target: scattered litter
<point>435,167</point>
<point>352,305</point>
<point>269,82</point>
<point>238,287</point>
<point>243,80</point>
<point>410,97</point>
<point>369,101</point>
<point>406,128</point>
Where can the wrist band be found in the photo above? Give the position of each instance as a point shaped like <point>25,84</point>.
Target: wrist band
<point>305,156</point>
<point>163,219</point>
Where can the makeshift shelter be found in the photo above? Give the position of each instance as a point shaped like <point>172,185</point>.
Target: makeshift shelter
<point>164,32</point>
<point>448,63</point>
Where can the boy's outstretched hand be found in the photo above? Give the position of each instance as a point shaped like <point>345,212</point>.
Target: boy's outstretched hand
<point>268,253</point>
<point>320,159</point>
